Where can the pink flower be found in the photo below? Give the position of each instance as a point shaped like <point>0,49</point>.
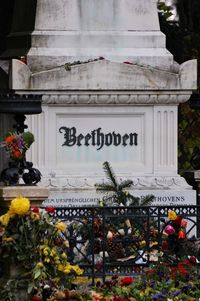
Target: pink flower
<point>183,223</point>
<point>169,230</point>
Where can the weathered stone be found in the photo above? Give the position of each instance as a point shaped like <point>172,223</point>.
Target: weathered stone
<point>35,194</point>
<point>70,30</point>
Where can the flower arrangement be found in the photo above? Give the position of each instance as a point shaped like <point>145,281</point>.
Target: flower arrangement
<point>174,235</point>
<point>156,283</point>
<point>16,144</point>
<point>35,242</point>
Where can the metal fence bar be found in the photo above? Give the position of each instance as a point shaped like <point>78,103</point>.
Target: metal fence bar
<point>119,240</point>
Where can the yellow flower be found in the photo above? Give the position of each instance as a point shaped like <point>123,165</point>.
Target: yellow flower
<point>64,255</point>
<point>142,244</point>
<point>67,270</point>
<point>172,215</point>
<point>61,226</point>
<point>8,239</point>
<point>4,219</point>
<point>46,251</point>
<point>47,259</point>
<point>19,206</point>
<point>60,268</point>
<point>39,265</point>
<point>35,216</point>
<point>77,270</point>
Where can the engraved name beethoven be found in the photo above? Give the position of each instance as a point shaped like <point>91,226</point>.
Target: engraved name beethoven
<point>97,138</point>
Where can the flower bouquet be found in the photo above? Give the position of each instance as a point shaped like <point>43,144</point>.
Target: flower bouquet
<point>35,243</point>
<point>16,144</point>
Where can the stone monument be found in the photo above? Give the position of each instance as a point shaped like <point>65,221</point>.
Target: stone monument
<point>111,92</point>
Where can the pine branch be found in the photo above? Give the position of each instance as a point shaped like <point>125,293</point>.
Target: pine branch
<point>147,200</point>
<point>104,187</point>
<point>110,174</point>
<point>125,184</point>
<point>134,200</point>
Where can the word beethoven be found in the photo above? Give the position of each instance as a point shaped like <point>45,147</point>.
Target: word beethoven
<point>97,138</point>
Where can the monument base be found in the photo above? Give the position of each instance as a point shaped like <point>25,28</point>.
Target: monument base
<point>79,198</point>
<point>35,194</point>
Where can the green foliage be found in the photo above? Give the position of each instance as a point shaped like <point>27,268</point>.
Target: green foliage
<point>28,138</point>
<point>183,41</point>
<point>116,192</point>
<point>188,135</point>
<point>164,9</point>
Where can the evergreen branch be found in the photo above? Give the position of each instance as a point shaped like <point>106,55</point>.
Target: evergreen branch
<point>125,184</point>
<point>148,200</point>
<point>110,174</point>
<point>104,187</point>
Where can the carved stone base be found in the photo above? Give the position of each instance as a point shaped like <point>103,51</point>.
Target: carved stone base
<point>35,194</point>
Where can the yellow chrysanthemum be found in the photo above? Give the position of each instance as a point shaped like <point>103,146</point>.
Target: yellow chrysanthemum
<point>172,215</point>
<point>4,219</point>
<point>19,206</point>
<point>61,226</point>
<point>60,267</point>
<point>77,270</point>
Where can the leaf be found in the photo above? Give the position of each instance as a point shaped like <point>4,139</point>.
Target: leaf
<point>37,273</point>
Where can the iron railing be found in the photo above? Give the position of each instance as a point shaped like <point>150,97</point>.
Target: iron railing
<point>120,240</point>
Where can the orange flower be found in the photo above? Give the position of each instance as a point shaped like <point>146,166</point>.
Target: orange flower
<point>181,234</point>
<point>9,139</point>
<point>17,154</point>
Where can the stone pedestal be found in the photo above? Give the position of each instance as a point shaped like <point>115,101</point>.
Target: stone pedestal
<point>35,194</point>
<point>92,107</point>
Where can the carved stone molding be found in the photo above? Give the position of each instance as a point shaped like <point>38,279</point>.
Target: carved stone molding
<point>84,183</point>
<point>114,98</point>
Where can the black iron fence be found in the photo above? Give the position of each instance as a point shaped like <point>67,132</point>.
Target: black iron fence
<point>122,240</point>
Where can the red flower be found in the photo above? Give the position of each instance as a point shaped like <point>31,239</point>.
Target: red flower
<point>127,281</point>
<point>178,220</point>
<point>50,209</point>
<point>192,259</point>
<point>181,234</point>
<point>35,209</point>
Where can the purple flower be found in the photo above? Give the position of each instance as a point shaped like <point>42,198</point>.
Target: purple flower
<point>152,283</point>
<point>176,293</point>
<point>158,296</point>
<point>20,142</point>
